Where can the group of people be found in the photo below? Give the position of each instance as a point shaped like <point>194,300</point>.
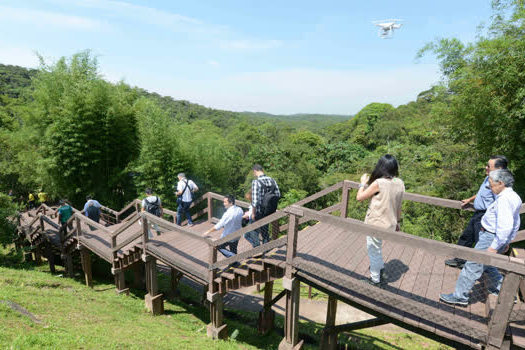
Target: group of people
<point>492,227</point>
<point>264,196</point>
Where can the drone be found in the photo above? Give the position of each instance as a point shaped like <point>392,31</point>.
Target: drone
<point>387,26</point>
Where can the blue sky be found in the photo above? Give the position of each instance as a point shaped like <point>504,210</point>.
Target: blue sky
<point>268,56</point>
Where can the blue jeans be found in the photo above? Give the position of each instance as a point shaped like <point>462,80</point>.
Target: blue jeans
<point>232,245</point>
<point>252,236</point>
<point>472,271</point>
<point>184,207</point>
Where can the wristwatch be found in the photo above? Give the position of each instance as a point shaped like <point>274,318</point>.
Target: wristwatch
<point>361,185</point>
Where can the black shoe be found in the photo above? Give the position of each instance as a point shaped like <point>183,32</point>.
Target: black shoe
<point>372,283</point>
<point>455,263</point>
<point>383,276</point>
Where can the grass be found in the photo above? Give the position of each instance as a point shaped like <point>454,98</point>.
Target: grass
<point>74,316</point>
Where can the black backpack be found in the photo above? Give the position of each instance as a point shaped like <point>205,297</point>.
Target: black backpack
<point>93,213</point>
<point>269,200</point>
<point>153,208</point>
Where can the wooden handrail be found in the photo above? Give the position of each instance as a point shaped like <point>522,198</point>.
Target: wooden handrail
<point>259,223</point>
<point>440,202</point>
<point>173,227</point>
<point>127,241</point>
<point>436,247</point>
<point>276,243</point>
<point>320,194</point>
<point>239,203</point>
<point>90,222</point>
<point>133,218</point>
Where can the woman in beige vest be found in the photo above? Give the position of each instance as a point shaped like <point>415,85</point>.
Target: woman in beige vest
<point>386,192</point>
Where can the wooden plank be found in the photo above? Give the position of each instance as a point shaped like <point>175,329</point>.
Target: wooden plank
<point>434,247</point>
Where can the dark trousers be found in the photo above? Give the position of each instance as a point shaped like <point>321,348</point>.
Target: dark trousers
<point>62,231</point>
<point>263,230</point>
<point>470,235</point>
<point>184,208</point>
<point>229,248</point>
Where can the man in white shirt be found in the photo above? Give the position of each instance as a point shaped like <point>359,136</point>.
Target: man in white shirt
<point>498,228</point>
<point>185,188</point>
<point>231,221</point>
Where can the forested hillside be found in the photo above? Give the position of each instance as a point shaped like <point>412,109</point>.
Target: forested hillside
<point>69,132</point>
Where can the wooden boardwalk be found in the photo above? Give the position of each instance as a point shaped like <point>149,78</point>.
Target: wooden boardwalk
<point>329,254</point>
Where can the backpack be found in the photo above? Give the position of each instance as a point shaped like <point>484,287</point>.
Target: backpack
<point>93,213</point>
<point>153,208</point>
<point>269,200</point>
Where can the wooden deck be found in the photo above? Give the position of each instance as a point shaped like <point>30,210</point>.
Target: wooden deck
<point>330,255</point>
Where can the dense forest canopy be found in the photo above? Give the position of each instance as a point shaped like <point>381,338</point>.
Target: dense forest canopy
<point>67,131</point>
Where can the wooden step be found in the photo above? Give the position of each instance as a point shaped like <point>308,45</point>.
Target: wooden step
<point>518,335</point>
<point>241,271</point>
<point>255,266</point>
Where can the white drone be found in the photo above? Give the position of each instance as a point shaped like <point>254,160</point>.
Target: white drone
<point>387,26</point>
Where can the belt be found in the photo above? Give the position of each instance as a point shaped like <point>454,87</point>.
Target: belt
<point>484,230</point>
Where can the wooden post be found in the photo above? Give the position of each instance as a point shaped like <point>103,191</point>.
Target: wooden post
<point>266,315</point>
<point>210,208</point>
<point>153,300</point>
<point>291,284</point>
<point>50,255</point>
<point>217,329</point>
<point>68,260</point>
<point>329,338</point>
<point>85,259</point>
<point>175,279</point>
<point>275,229</point>
<point>500,317</point>
<point>344,200</point>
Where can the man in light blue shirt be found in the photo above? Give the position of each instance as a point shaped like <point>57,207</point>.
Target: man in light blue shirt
<point>481,201</point>
<point>231,221</point>
<point>89,212</point>
<point>498,228</point>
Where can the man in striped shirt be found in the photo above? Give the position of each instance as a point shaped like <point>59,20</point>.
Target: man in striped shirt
<point>260,186</point>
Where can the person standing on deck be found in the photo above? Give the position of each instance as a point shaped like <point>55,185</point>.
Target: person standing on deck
<point>265,198</point>
<point>231,220</point>
<point>185,188</point>
<point>386,192</point>
<point>481,201</point>
<point>498,228</point>
<point>64,213</point>
<point>92,209</point>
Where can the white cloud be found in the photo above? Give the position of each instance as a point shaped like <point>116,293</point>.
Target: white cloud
<point>303,90</point>
<point>47,18</point>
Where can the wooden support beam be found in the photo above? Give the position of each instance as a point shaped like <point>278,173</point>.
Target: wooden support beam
<point>176,275</point>
<point>120,282</point>
<point>50,256</point>
<point>329,339</point>
<point>85,259</point>
<point>292,287</point>
<point>373,322</point>
<point>210,208</point>
<point>500,317</point>
<point>266,315</point>
<point>217,329</point>
<point>68,262</point>
<point>291,319</point>
<point>153,300</point>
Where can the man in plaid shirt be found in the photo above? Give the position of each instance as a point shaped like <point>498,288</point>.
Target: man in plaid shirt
<point>259,188</point>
